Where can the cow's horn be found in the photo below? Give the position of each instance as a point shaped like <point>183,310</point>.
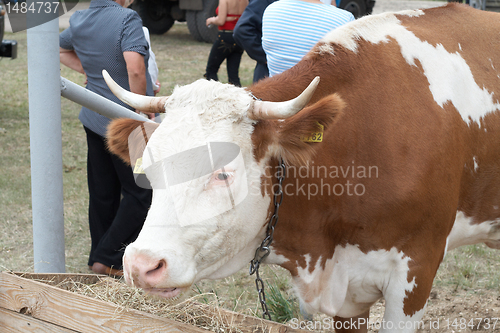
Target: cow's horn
<point>139,102</point>
<point>283,110</point>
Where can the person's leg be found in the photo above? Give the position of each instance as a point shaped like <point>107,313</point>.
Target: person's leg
<point>104,191</point>
<point>233,60</point>
<point>129,217</point>
<point>215,59</point>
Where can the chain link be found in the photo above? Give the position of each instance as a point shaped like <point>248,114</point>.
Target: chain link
<point>264,249</point>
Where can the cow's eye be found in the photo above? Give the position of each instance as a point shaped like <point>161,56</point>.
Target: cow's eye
<point>223,176</point>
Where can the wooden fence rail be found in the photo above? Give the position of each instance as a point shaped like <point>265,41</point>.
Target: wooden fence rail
<point>31,306</point>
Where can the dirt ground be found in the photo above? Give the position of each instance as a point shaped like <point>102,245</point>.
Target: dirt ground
<point>448,311</point>
<point>454,311</point>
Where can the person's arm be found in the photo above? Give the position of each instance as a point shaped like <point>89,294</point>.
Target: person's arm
<point>67,54</point>
<point>248,30</point>
<point>136,70</point>
<point>221,17</point>
<point>70,59</point>
<point>152,66</point>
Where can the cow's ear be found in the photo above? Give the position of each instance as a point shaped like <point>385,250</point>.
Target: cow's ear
<point>127,138</point>
<point>292,133</point>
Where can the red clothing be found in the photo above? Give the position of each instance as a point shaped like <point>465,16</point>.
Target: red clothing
<point>228,25</point>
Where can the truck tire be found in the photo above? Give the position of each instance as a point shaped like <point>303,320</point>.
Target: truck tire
<point>192,26</point>
<point>207,34</point>
<point>155,15</point>
<point>356,7</point>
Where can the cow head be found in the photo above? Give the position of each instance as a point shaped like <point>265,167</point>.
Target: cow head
<point>209,209</point>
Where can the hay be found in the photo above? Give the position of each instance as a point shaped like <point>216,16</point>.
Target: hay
<point>190,311</point>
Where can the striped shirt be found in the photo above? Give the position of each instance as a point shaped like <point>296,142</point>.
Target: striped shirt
<point>290,29</point>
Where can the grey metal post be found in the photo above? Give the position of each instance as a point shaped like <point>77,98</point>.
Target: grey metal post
<point>46,147</point>
<point>95,102</point>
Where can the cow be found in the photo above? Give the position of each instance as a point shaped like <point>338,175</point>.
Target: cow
<point>389,129</point>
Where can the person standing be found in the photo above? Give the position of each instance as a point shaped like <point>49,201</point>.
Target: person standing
<point>109,36</point>
<point>248,35</point>
<point>152,66</point>
<point>224,47</point>
<point>290,29</point>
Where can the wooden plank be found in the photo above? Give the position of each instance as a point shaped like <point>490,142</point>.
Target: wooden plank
<point>13,322</point>
<point>77,312</point>
<point>231,319</point>
<point>55,279</point>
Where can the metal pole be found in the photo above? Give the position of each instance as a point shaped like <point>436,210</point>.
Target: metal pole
<point>96,103</point>
<point>46,146</point>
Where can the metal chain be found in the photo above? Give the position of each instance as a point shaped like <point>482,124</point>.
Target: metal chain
<point>264,249</point>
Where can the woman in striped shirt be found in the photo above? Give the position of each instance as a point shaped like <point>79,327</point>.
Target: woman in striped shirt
<point>290,29</point>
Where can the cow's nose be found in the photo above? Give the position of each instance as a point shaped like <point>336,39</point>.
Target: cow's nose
<point>144,271</point>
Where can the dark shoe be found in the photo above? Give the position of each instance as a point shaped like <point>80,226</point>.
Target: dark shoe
<point>99,268</point>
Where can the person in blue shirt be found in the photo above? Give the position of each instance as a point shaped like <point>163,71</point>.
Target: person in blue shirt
<point>248,35</point>
<point>109,36</point>
<point>290,29</point>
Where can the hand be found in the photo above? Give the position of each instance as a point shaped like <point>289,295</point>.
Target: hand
<point>148,115</point>
<point>159,87</point>
<point>210,21</point>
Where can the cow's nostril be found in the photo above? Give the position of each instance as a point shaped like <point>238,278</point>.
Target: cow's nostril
<point>161,266</point>
<point>144,271</point>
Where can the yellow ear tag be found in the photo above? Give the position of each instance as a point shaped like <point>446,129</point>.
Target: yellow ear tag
<point>138,166</point>
<point>315,136</point>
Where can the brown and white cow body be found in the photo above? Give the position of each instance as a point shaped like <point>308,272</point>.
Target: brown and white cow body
<point>410,104</point>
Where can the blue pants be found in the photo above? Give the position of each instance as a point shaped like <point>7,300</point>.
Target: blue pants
<point>225,47</point>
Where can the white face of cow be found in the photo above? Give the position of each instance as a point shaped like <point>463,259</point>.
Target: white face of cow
<point>207,215</point>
